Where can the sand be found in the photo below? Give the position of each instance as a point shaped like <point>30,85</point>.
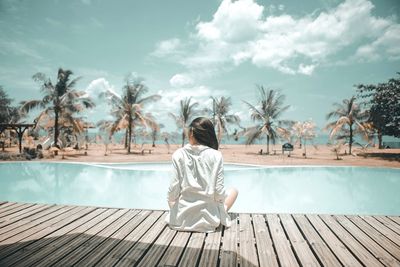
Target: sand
<point>320,155</point>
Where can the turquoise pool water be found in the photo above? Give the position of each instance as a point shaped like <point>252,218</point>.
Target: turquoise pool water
<point>333,190</point>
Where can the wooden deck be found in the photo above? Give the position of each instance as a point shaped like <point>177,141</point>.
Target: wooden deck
<point>56,235</point>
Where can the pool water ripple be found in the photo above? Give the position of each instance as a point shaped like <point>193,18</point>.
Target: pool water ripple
<point>306,189</point>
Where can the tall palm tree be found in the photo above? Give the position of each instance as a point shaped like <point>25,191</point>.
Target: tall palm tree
<point>221,116</point>
<point>350,120</point>
<point>60,100</point>
<point>186,112</point>
<point>128,108</point>
<point>266,114</point>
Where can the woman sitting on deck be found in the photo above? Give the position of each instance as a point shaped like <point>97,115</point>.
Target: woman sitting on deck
<point>196,196</point>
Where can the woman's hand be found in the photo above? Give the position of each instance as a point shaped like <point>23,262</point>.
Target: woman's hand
<point>171,204</point>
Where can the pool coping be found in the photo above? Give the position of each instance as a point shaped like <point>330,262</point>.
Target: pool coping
<point>99,164</point>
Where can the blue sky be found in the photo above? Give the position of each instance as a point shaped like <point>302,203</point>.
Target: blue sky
<point>313,51</point>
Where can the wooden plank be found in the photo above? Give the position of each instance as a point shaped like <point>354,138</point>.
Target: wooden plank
<point>210,253</point>
<point>389,233</point>
<point>29,221</point>
<point>283,248</point>
<point>80,241</point>
<point>118,239</point>
<point>193,250</point>
<point>25,250</point>
<point>50,214</point>
<point>24,239</point>
<point>45,247</point>
<point>135,253</point>
<point>356,248</point>
<point>247,248</point>
<point>15,208</point>
<point>337,247</point>
<point>388,223</point>
<point>9,205</point>
<point>175,249</point>
<point>299,244</point>
<point>19,215</point>
<point>396,219</point>
<point>382,255</point>
<point>324,254</point>
<point>382,240</point>
<point>229,249</point>
<point>265,249</point>
<point>158,248</point>
<point>81,236</point>
<point>91,244</point>
<point>118,253</point>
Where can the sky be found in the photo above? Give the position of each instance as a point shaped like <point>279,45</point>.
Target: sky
<point>314,52</point>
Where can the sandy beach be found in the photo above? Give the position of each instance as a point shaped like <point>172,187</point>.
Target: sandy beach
<point>320,155</point>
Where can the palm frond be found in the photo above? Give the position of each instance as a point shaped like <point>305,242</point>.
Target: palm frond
<point>252,134</point>
<point>151,98</point>
<point>256,114</point>
<point>27,106</point>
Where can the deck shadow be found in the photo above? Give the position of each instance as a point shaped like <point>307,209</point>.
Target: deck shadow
<point>93,250</point>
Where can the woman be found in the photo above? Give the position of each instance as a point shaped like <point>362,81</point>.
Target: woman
<point>196,196</point>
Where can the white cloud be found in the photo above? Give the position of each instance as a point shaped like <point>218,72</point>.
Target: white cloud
<point>167,47</point>
<point>180,80</point>
<point>170,102</point>
<point>239,32</point>
<point>233,22</point>
<point>386,45</point>
<point>99,86</point>
<point>102,109</point>
<point>171,98</point>
<point>306,69</point>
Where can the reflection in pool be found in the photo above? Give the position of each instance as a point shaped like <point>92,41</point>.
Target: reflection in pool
<point>333,190</point>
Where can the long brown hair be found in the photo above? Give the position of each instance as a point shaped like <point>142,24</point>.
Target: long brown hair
<point>204,133</point>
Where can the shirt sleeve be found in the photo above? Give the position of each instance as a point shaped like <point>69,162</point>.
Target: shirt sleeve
<point>174,187</point>
<point>219,186</point>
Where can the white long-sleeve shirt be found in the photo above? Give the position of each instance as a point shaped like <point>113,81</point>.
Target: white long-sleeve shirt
<point>197,192</point>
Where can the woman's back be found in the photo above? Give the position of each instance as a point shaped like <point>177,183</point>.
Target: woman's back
<point>197,191</point>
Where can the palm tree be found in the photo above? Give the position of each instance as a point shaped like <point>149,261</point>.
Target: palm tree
<point>60,100</point>
<point>350,120</point>
<point>186,112</point>
<point>128,108</point>
<point>304,131</point>
<point>220,116</point>
<point>8,113</point>
<point>267,113</point>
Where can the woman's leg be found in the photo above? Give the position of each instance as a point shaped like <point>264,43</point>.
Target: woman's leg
<point>232,194</point>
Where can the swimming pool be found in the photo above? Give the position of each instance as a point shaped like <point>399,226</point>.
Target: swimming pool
<point>332,190</point>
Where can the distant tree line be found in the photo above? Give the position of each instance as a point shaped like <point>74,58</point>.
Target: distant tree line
<point>374,110</point>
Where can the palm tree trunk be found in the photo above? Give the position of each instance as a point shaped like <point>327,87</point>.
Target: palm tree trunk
<point>129,134</point>
<point>219,135</point>
<point>154,138</point>
<point>183,137</point>
<point>126,138</point>
<point>56,129</point>
<point>267,144</point>
<point>380,139</point>
<point>351,138</point>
